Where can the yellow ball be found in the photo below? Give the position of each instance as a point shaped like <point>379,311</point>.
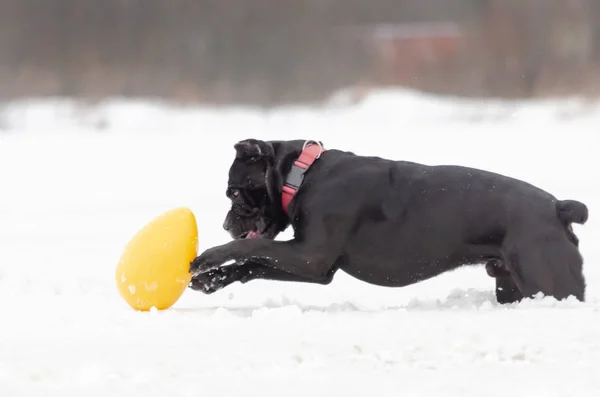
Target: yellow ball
<point>153,270</point>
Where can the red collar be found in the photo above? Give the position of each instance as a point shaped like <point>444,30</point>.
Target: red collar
<point>311,151</point>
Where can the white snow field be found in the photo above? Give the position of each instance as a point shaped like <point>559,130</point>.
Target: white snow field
<point>76,182</point>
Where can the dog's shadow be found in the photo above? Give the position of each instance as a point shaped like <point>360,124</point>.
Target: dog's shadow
<point>459,299</point>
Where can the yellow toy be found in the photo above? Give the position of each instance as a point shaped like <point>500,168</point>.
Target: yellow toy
<point>153,270</point>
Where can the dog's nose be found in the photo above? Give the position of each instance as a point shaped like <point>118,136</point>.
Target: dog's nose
<point>226,226</point>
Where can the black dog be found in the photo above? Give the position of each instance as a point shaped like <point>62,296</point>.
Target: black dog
<point>389,223</point>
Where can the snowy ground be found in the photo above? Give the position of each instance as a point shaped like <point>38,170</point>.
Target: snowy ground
<point>77,182</point>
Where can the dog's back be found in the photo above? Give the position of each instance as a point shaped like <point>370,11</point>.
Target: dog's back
<point>423,220</point>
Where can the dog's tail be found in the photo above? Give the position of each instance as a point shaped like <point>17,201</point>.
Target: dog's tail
<point>572,211</point>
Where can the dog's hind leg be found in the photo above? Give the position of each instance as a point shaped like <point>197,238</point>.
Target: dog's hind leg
<point>549,264</point>
<point>507,290</point>
<point>495,268</point>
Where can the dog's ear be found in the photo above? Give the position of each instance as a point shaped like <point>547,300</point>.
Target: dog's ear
<point>254,149</point>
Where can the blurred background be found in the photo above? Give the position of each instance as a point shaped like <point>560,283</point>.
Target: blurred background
<point>271,52</point>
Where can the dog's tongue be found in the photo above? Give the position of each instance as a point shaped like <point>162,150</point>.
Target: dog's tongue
<point>252,234</point>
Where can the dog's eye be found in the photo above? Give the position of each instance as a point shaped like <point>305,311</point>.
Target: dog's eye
<point>235,193</point>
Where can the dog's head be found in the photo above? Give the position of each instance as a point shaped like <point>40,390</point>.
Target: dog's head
<point>255,211</point>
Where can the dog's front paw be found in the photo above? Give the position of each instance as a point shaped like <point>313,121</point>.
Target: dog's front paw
<point>208,260</point>
<point>213,280</point>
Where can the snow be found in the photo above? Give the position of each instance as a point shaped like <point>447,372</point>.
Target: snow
<point>78,180</point>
